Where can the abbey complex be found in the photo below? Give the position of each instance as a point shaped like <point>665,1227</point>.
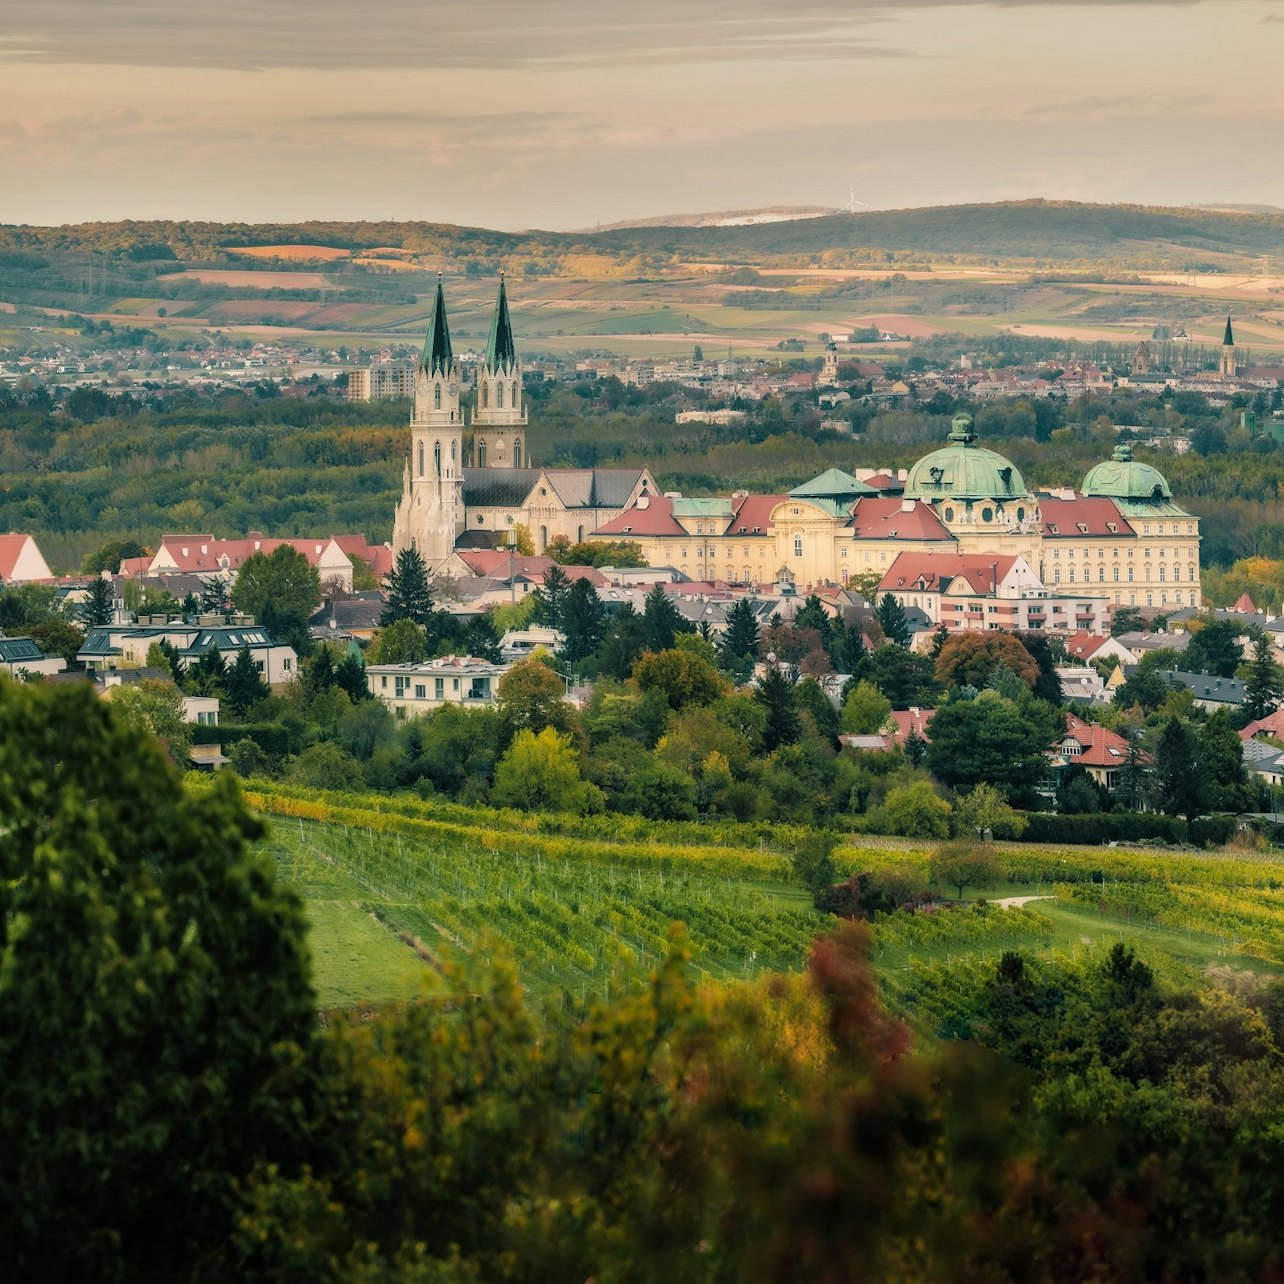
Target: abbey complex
<point>1120,537</point>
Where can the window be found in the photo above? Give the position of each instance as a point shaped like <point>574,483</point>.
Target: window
<point>481,454</point>
<point>1072,575</point>
<point>1163,574</point>
<point>439,688</point>
<point>499,395</point>
<point>421,691</point>
<point>383,682</point>
<point>798,551</point>
<point>436,396</point>
<point>1056,576</point>
<point>485,395</point>
<point>421,459</point>
<point>1115,574</point>
<point>436,457</point>
<point>1101,574</point>
<point>1176,572</point>
<point>514,394</point>
<point>517,454</point>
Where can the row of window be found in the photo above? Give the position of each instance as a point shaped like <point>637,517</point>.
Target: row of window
<point>485,395</point>
<point>1114,552</point>
<point>1191,574</point>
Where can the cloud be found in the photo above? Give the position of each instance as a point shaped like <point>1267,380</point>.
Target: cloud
<point>1116,105</point>
<point>252,35</point>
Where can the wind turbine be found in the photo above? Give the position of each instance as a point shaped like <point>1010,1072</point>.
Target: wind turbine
<point>850,207</point>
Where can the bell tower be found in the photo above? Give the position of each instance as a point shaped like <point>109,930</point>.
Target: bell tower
<point>1229,366</point>
<point>431,511</point>
<point>499,422</point>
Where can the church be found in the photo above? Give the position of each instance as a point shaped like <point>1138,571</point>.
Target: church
<point>469,482</point>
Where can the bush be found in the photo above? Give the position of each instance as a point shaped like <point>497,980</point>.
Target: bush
<point>272,737</point>
<point>1129,827</point>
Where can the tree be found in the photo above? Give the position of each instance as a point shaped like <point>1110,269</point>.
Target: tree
<point>661,620</point>
<point>58,636</point>
<point>99,606</point>
<point>684,678</point>
<point>1134,781</point>
<point>1264,685</point>
<point>583,622</point>
<point>402,642</point>
<point>364,728</point>
<point>1214,649</point>
<point>985,808</point>
<point>776,696</point>
<point>540,772</point>
<point>914,810</point>
<point>325,766</point>
<point>810,698</point>
<point>740,637</point>
<point>865,709</point>
<point>206,674</point>
<point>1221,765</point>
<point>110,555</point>
<point>350,677</point>
<point>990,740</point>
<point>552,597</point>
<point>531,696</point>
<point>155,706</point>
<point>659,792</point>
<point>906,679</point>
<point>182,986</point>
<point>216,596</point>
<point>1178,786</point>
<point>409,593</point>
<point>281,590</point>
<point>243,685</point>
<point>971,659</point>
<point>891,616</point>
<point>963,865</point>
<point>1127,619</point>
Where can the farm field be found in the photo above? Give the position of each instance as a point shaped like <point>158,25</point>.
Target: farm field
<point>395,887</point>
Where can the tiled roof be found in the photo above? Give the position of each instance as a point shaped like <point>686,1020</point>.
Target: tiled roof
<point>896,519</point>
<point>1082,518</point>
<point>753,514</point>
<point>1101,747</point>
<point>935,572</point>
<point>498,487</point>
<point>655,519</point>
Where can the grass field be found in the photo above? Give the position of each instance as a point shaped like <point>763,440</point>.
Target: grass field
<point>395,888</point>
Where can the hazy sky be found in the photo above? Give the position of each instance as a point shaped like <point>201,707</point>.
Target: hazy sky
<point>564,113</point>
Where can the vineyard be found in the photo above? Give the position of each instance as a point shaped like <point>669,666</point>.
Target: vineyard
<point>396,888</point>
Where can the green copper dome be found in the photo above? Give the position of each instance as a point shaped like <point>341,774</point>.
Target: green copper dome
<point>1122,477</point>
<point>964,470</point>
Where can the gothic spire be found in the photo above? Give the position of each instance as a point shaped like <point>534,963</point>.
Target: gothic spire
<point>1228,341</point>
<point>437,356</point>
<point>500,350</point>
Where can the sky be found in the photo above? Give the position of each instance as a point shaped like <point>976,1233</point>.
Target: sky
<point>565,114</point>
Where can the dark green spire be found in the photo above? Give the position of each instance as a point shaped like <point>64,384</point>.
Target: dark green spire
<point>437,357</point>
<point>1228,341</point>
<point>501,354</point>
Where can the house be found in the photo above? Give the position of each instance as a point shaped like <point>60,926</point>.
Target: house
<point>900,725</point>
<point>125,646</point>
<point>1264,761</point>
<point>1084,647</point>
<point>1082,683</point>
<point>1270,727</point>
<point>1210,691</point>
<point>20,657</point>
<point>410,690</point>
<point>21,561</point>
<point>348,617</point>
<point>1101,752</point>
<point>209,558</point>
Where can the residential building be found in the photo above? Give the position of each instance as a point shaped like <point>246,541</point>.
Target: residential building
<point>125,646</point>
<point>383,379</point>
<point>21,560</point>
<point>20,657</point>
<point>1101,752</point>
<point>410,690</point>
<point>210,558</point>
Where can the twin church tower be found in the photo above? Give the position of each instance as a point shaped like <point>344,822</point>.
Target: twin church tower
<point>430,515</point>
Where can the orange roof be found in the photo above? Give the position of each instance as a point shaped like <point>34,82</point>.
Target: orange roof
<point>1245,605</point>
<point>753,513</point>
<point>11,549</point>
<point>1101,747</point>
<point>908,720</point>
<point>896,519</point>
<point>935,572</point>
<point>1083,646</point>
<point>655,519</point>
<point>493,562</point>
<point>1271,725</point>
<point>1082,518</point>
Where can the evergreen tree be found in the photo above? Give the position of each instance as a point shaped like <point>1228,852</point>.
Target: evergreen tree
<point>583,622</point>
<point>207,675</point>
<point>1264,687</point>
<point>1134,780</point>
<point>216,597</point>
<point>99,605</point>
<point>321,674</point>
<point>625,640</point>
<point>243,686</point>
<point>479,639</point>
<point>849,652</point>
<point>1178,784</point>
<point>552,597</point>
<point>812,615</point>
<point>915,748</point>
<point>740,639</point>
<point>776,695</point>
<point>350,677</point>
<point>409,593</point>
<point>1221,765</point>
<point>891,615</point>
<point>662,620</point>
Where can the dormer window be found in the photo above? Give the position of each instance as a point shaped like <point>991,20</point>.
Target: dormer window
<point>1083,528</point>
<point>1112,527</point>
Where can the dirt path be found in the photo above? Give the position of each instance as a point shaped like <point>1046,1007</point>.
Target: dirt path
<point>1015,902</point>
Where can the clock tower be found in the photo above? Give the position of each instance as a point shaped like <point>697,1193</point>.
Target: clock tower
<point>431,512</point>
<point>499,422</point>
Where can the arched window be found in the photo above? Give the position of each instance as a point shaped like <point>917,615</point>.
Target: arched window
<point>436,396</point>
<point>481,454</point>
<point>436,457</point>
<point>517,454</point>
<point>579,534</point>
<point>454,449</point>
<point>543,538</point>
<point>499,395</point>
<point>485,395</point>
<point>421,459</point>
<point>513,403</point>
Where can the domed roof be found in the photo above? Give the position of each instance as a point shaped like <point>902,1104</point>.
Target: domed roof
<point>1122,477</point>
<point>964,470</point>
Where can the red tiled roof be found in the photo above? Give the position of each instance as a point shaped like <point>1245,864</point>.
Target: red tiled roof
<point>891,519</point>
<point>493,562</point>
<point>1083,646</point>
<point>934,572</point>
<point>655,519</point>
<point>1101,747</point>
<point>884,481</point>
<point>1063,517</point>
<point>11,548</point>
<point>1271,725</point>
<point>754,513</point>
<point>908,720</point>
<point>1245,605</point>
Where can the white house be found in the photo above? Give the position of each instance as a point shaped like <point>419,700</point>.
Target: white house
<point>125,646</point>
<point>21,561</point>
<point>21,656</point>
<point>413,689</point>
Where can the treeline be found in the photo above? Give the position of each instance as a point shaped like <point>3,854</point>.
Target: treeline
<point>1070,1120</point>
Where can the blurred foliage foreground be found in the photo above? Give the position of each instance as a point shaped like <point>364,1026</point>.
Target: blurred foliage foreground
<point>171,1107</point>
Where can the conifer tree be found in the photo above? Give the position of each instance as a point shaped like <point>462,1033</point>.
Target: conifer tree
<point>99,605</point>
<point>409,593</point>
<point>740,640</point>
<point>243,686</point>
<point>776,695</point>
<point>1264,686</point>
<point>583,622</point>
<point>891,615</point>
<point>1178,784</point>
<point>662,620</point>
<point>552,597</point>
